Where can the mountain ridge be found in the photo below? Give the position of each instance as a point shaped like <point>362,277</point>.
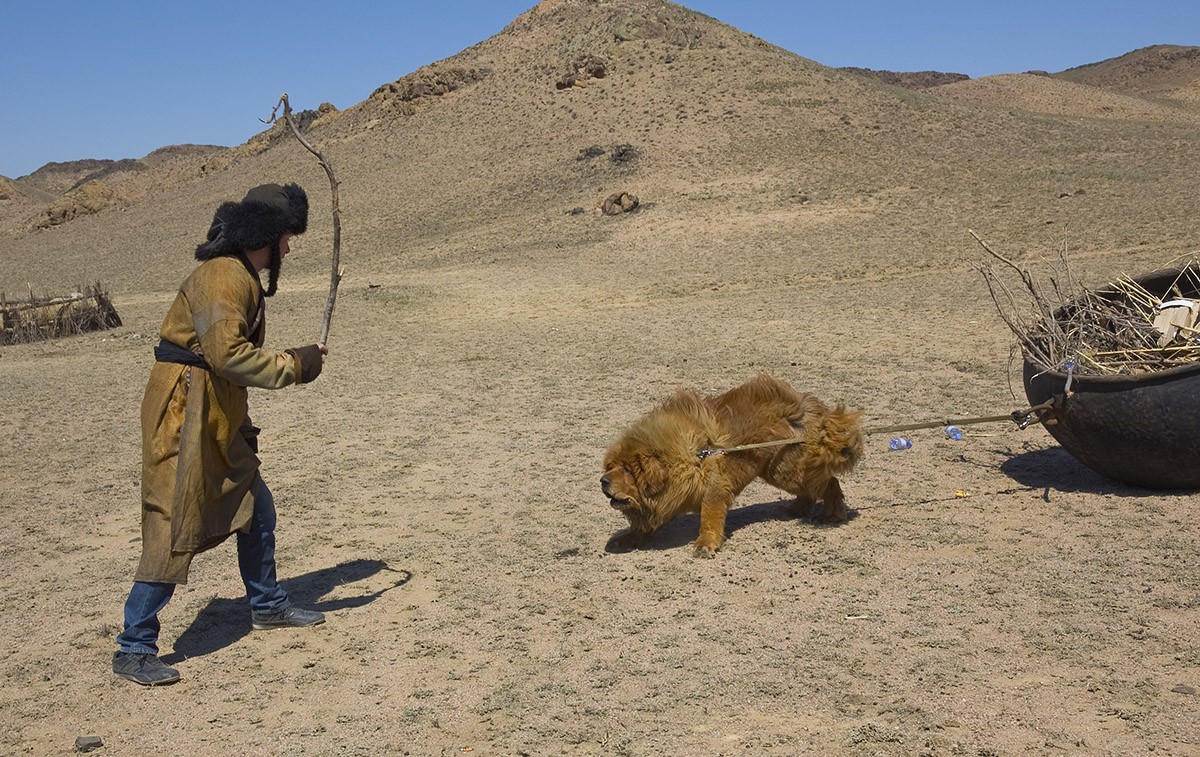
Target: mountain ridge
<point>525,124</point>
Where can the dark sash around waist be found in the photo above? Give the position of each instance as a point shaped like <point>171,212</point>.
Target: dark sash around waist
<point>169,352</point>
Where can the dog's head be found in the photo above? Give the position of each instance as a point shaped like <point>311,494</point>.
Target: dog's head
<point>651,473</point>
<point>632,481</point>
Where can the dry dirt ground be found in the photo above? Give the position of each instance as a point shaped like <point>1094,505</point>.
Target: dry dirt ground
<point>438,499</point>
<point>438,486</point>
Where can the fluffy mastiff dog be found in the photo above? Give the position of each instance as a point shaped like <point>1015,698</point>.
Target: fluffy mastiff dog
<point>655,471</point>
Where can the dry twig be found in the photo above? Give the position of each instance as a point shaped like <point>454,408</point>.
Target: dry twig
<point>335,276</point>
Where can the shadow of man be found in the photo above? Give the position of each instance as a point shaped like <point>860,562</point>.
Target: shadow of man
<point>223,621</point>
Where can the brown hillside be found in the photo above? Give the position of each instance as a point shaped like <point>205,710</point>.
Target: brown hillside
<point>55,194</point>
<point>1170,72</point>
<point>8,190</point>
<point>18,203</point>
<point>708,110</point>
<point>1042,94</point>
<point>438,486</point>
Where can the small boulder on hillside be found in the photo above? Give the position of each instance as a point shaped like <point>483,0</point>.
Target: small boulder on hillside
<point>582,70</point>
<point>623,154</point>
<point>617,203</point>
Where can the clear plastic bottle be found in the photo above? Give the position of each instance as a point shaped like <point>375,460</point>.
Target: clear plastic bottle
<point>954,432</point>
<point>899,442</point>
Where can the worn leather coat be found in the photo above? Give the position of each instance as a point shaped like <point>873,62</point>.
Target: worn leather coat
<point>198,444</point>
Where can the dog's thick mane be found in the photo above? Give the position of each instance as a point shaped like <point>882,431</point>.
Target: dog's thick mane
<point>674,433</point>
<point>678,428</point>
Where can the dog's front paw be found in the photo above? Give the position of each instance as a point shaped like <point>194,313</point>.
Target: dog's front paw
<point>705,547</point>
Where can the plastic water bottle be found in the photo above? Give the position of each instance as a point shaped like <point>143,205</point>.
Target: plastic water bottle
<point>954,432</point>
<point>899,442</point>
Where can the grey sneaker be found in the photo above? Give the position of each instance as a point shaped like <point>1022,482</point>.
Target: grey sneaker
<point>289,617</point>
<point>145,669</point>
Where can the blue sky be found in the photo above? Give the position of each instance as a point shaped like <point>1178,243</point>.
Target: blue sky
<point>117,79</point>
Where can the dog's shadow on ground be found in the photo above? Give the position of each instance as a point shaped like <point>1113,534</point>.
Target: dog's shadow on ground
<point>224,621</point>
<point>683,530</point>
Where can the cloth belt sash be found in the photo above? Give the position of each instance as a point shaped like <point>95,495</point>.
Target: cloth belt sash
<point>169,352</point>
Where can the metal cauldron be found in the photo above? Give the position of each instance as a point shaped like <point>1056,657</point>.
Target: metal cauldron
<point>1141,429</point>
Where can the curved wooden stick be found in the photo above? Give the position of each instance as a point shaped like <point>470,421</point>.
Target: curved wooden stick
<point>335,276</point>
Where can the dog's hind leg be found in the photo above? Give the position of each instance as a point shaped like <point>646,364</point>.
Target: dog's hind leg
<point>823,505</point>
<point>787,471</point>
<point>833,503</point>
<point>801,506</point>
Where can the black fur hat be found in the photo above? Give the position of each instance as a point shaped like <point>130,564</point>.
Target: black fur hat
<point>264,214</point>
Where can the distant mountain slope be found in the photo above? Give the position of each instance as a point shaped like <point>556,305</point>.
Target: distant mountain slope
<point>8,189</point>
<point>56,178</point>
<point>58,193</point>
<point>489,155</point>
<point>1045,94</point>
<point>909,79</point>
<point>1170,72</point>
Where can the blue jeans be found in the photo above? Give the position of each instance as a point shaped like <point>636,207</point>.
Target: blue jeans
<point>256,561</point>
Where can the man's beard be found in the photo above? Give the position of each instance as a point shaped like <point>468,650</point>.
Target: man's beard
<point>273,266</point>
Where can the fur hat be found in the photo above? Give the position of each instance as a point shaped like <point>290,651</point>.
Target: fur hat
<point>264,214</point>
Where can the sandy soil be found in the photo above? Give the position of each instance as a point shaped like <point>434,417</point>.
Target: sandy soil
<point>438,498</point>
<point>438,486</point>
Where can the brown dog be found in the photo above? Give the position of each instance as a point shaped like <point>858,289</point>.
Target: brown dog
<point>654,472</point>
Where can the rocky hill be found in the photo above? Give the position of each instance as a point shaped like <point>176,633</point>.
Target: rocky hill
<point>58,193</point>
<point>575,100</point>
<point>909,79</point>
<point>1169,72</point>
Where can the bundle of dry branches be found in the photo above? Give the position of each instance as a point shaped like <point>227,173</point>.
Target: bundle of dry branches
<point>1111,330</point>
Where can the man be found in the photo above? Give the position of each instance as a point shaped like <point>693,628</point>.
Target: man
<point>200,479</point>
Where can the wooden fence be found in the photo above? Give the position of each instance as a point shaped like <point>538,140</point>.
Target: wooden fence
<point>88,309</point>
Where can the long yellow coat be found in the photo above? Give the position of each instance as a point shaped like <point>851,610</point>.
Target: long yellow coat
<point>197,462</point>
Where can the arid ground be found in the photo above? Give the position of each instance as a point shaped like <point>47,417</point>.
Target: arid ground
<point>437,487</point>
